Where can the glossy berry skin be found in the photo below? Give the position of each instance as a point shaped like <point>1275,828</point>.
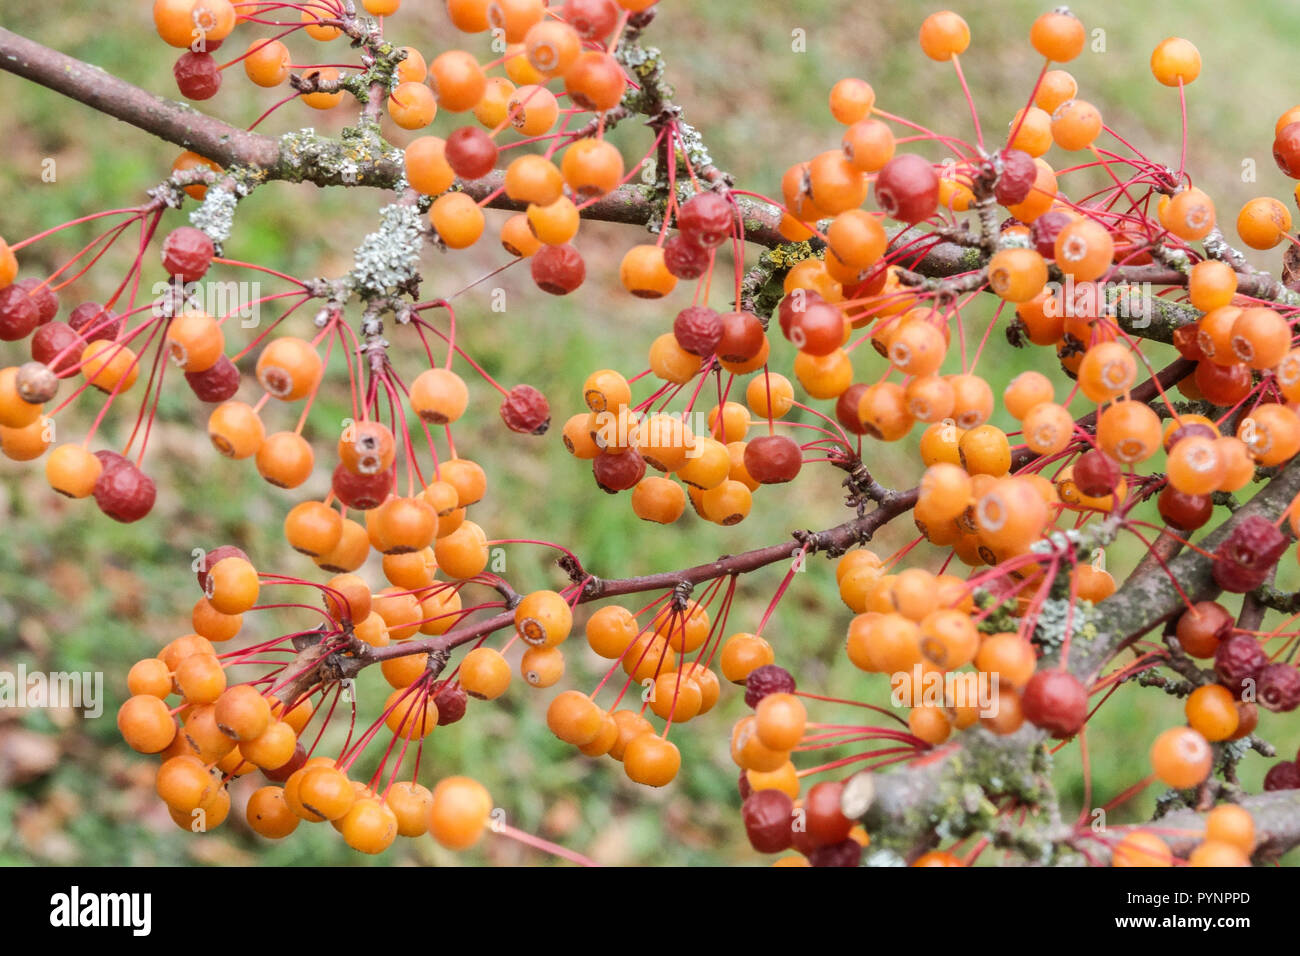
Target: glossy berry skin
<point>526,410</point>
<point>1056,701</point>
<point>742,336</point>
<point>684,259</point>
<point>845,853</point>
<point>768,679</point>
<point>1284,775</point>
<point>1239,659</point>
<point>698,329</point>
<point>53,338</point>
<point>825,822</point>
<point>766,815</point>
<point>216,384</point>
<point>470,152</point>
<point>197,76</point>
<point>451,701</point>
<point>705,219</point>
<point>907,189</point>
<point>558,269</point>
<point>1017,178</point>
<point>1286,150</point>
<point>1182,511</point>
<point>186,253</point>
<point>1096,474</point>
<point>620,471</point>
<point>1278,687</point>
<point>124,493</point>
<point>773,459</point>
<point>1245,557</point>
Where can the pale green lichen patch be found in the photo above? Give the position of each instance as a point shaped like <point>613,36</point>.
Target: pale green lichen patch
<point>388,258</point>
<point>216,214</point>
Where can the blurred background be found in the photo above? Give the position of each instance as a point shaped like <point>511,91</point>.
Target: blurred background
<point>80,592</point>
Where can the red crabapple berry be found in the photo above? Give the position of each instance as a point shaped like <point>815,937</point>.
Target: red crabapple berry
<point>766,815</point>
<point>197,75</point>
<point>1278,687</point>
<point>847,852</point>
<point>1046,228</point>
<point>1283,775</point>
<point>362,492</point>
<point>186,253</point>
<point>1017,178</point>
<point>619,471</point>
<point>1238,659</point>
<point>1244,558</point>
<point>558,269</point>
<point>18,314</point>
<point>124,493</point>
<point>698,330</point>
<point>46,299</point>
<point>768,679</point>
<point>907,189</point>
<point>773,459</point>
<point>94,322</point>
<point>1096,474</point>
<point>1056,701</point>
<point>470,152</point>
<point>219,383</point>
<point>684,259</point>
<point>705,219</point>
<point>525,410</point>
<point>451,701</point>
<point>1182,511</point>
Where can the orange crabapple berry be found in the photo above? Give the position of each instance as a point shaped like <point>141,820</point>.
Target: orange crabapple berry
<point>543,618</point>
<point>851,100</point>
<point>323,99</point>
<point>184,783</point>
<point>1211,284</point>
<point>1056,87</point>
<point>232,585</point>
<point>532,110</point>
<point>411,105</point>
<point>1189,215</point>
<point>1194,466</point>
<point>1058,35</point>
<point>533,179</point>
<point>1233,825</point>
<point>1216,854</point>
<point>1263,222</point>
<point>458,219</point>
<point>1107,371</point>
<point>1211,711</point>
<point>459,812</point>
<point>542,666</point>
<point>651,760</point>
<point>439,396</point>
<point>484,673</point>
<point>944,35</point>
<point>1025,392</point>
<point>1129,431</point>
<point>109,366</point>
<point>1017,275</point>
<point>269,815</point>
<point>868,145</point>
<point>657,499</point>
<point>145,723</point>
<point>241,712</point>
<point>551,47</point>
<point>492,109</point>
<point>591,168</point>
<point>1141,848</point>
<point>1181,757</point>
<point>1260,337</point>
<point>326,791</point>
<point>518,238</point>
<point>457,81</point>
<point>984,450</point>
<point>426,165</point>
<point>1175,62</point>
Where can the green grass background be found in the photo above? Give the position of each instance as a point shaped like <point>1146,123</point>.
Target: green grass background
<point>79,592</point>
